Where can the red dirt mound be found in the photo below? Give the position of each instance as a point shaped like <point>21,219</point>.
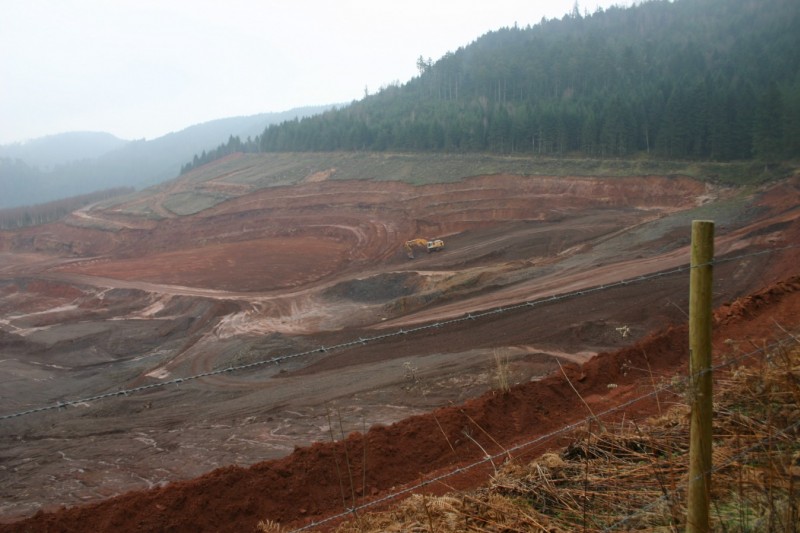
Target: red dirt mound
<point>322,479</point>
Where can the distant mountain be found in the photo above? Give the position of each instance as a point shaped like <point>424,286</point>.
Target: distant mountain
<point>47,152</point>
<point>71,164</point>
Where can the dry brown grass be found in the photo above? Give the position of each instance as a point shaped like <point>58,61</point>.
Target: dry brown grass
<point>268,526</point>
<point>633,477</point>
<point>501,370</point>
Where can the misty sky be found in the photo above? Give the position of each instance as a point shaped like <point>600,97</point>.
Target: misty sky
<point>143,68</point>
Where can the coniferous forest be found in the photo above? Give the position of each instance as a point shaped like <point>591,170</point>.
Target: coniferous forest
<point>689,79</point>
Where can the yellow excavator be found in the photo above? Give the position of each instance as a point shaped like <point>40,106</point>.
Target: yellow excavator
<point>430,245</point>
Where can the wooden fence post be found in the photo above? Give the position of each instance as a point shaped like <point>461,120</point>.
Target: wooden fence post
<point>700,437</point>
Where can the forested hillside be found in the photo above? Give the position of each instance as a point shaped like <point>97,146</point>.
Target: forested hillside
<point>698,79</point>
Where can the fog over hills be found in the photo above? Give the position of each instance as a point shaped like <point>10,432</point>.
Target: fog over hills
<point>74,163</point>
<point>47,152</point>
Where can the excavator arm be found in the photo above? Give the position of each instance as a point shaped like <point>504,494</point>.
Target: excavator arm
<point>409,246</point>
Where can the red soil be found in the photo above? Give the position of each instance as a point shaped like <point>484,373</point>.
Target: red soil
<point>306,485</point>
<point>298,266</point>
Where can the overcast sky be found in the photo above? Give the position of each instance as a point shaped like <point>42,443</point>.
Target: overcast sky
<point>143,68</point>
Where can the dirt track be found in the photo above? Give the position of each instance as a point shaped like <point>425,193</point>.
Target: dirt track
<point>88,310</point>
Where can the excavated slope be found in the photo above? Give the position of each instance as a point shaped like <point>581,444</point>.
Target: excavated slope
<point>203,276</point>
<point>306,485</point>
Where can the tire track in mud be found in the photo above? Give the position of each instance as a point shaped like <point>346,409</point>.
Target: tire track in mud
<point>301,313</point>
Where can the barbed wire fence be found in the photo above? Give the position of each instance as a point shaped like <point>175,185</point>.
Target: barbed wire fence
<point>785,432</point>
<point>673,386</point>
<point>470,316</point>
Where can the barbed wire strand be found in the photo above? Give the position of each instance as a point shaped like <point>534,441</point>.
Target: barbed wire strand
<point>771,348</point>
<point>732,460</point>
<point>400,332</point>
<point>542,438</point>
